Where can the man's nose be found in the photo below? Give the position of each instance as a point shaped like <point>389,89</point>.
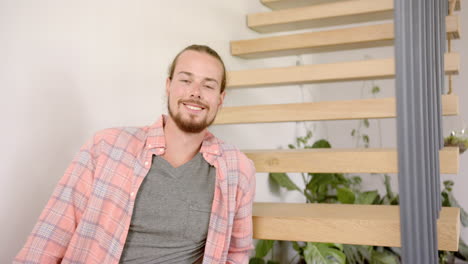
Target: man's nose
<point>195,90</point>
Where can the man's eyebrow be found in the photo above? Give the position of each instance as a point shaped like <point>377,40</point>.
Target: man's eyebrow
<point>183,72</point>
<point>205,78</point>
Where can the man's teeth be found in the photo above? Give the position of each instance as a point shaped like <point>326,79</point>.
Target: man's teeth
<point>194,107</point>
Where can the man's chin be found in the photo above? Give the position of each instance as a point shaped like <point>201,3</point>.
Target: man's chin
<point>191,126</point>
<point>190,123</point>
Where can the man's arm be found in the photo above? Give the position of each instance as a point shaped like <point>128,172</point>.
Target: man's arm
<point>51,235</point>
<point>241,239</point>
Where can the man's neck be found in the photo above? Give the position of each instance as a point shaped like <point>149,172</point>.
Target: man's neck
<point>180,146</point>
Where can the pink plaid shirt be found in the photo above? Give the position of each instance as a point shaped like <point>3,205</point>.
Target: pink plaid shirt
<point>87,218</point>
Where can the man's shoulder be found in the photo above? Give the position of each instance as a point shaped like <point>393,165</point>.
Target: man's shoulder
<point>130,139</point>
<point>230,149</point>
<point>231,152</point>
<point>115,133</point>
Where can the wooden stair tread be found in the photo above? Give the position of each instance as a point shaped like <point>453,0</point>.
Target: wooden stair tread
<point>325,41</point>
<point>325,14</point>
<point>341,160</point>
<point>286,4</point>
<point>377,225</point>
<point>319,111</point>
<point>320,73</point>
<point>328,14</point>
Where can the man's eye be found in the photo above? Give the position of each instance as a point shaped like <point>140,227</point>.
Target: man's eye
<point>185,81</point>
<point>209,87</point>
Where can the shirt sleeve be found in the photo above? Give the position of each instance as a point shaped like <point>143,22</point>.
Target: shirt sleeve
<point>241,238</point>
<point>52,233</point>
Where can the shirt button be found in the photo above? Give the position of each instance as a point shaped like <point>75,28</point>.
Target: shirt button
<point>149,146</point>
<point>132,194</point>
<point>146,163</point>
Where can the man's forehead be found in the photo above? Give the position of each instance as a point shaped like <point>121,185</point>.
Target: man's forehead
<point>199,64</point>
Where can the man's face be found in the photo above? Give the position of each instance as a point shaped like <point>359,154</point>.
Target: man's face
<point>194,96</point>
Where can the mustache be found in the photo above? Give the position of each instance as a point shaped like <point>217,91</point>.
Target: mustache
<point>200,103</point>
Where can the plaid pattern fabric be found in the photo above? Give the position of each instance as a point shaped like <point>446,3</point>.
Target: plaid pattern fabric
<point>87,218</point>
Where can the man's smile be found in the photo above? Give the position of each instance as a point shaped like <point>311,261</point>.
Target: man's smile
<point>193,107</point>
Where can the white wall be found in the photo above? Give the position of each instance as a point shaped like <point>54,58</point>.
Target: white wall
<point>69,68</point>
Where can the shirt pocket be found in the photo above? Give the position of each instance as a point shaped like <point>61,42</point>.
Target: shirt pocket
<point>198,220</point>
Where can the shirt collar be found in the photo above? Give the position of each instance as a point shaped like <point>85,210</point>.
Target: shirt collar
<point>156,139</point>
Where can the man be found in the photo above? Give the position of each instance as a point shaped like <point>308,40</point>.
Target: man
<point>166,193</point>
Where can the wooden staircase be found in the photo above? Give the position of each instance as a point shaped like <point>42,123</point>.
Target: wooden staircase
<point>288,4</point>
<point>337,223</point>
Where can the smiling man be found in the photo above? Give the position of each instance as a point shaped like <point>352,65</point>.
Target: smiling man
<point>167,193</point>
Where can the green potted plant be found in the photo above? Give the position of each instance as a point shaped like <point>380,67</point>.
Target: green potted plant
<point>341,188</point>
<point>346,189</point>
<point>457,139</point>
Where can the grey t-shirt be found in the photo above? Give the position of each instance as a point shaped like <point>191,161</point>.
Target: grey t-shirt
<point>171,214</point>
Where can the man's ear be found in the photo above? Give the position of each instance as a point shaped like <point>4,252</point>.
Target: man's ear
<point>168,84</point>
<point>221,99</point>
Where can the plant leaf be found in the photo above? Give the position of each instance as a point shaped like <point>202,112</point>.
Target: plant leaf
<point>445,199</point>
<point>319,253</point>
<point>291,146</point>
<point>383,258</point>
<point>353,132</point>
<point>463,214</point>
<point>338,246</point>
<point>357,254</point>
<point>318,180</point>
<point>355,180</point>
<point>332,253</point>
<point>263,247</point>
<point>366,122</point>
<point>365,138</point>
<point>256,261</point>
<point>272,262</point>
<point>312,255</point>
<point>322,143</point>
<point>296,246</point>
<point>345,196</point>
<point>323,253</point>
<point>388,187</point>
<point>375,89</point>
<point>367,197</point>
<point>283,180</point>
<point>340,179</point>
<point>463,248</point>
<point>448,185</point>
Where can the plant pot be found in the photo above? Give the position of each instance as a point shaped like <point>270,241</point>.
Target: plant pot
<point>454,141</point>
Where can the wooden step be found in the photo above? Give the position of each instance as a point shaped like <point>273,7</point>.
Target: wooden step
<point>286,4</point>
<point>320,73</point>
<point>377,225</point>
<point>341,160</point>
<point>326,41</point>
<point>329,14</point>
<point>319,111</point>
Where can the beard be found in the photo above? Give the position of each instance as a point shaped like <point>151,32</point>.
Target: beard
<point>191,125</point>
